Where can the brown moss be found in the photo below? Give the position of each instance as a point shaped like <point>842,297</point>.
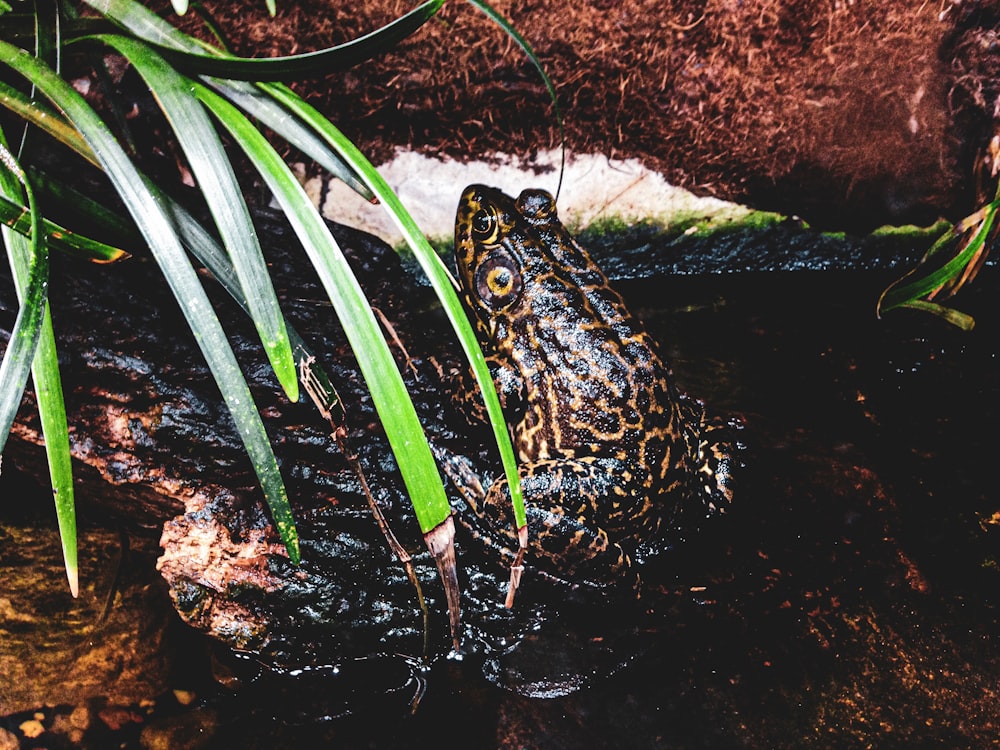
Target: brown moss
<point>850,112</point>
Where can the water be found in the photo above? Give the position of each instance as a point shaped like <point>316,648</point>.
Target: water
<point>848,600</point>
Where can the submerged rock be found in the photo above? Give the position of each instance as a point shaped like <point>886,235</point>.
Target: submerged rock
<point>149,423</point>
<point>110,643</point>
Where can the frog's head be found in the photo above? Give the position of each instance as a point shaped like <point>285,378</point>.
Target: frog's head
<point>499,246</point>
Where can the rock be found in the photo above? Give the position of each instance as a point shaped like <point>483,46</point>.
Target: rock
<point>152,438</point>
<point>186,731</point>
<point>32,728</point>
<point>73,726</point>
<point>150,430</point>
<point>109,643</point>
<point>8,740</point>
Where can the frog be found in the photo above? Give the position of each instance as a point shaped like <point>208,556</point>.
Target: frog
<point>609,450</point>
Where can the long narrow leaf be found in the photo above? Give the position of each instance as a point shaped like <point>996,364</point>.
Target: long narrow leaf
<point>436,273</point>
<point>955,317</point>
<point>44,118</point>
<point>145,25</point>
<point>55,431</point>
<point>31,276</point>
<point>395,409</point>
<point>217,181</point>
<point>915,284</point>
<point>18,218</point>
<point>261,107</point>
<point>48,391</point>
<point>245,95</point>
<point>158,231</point>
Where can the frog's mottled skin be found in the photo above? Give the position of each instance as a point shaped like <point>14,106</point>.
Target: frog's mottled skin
<point>608,448</point>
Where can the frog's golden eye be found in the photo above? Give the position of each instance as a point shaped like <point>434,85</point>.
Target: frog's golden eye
<point>498,281</point>
<point>485,226</point>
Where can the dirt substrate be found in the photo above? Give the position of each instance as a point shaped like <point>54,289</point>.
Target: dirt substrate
<point>849,113</point>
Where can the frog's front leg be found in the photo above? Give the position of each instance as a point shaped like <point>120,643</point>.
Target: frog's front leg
<point>714,447</point>
<point>509,386</point>
<point>717,458</point>
<point>582,514</point>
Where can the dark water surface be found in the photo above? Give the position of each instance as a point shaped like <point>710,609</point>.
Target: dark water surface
<point>848,600</point>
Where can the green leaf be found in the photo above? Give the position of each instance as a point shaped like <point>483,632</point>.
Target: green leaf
<point>955,317</point>
<point>155,225</point>
<point>31,273</point>
<point>217,181</point>
<point>389,394</point>
<point>55,430</point>
<point>18,218</point>
<point>210,253</point>
<point>246,95</point>
<point>262,107</point>
<point>436,272</point>
<point>920,283</point>
<point>44,118</point>
<point>24,255</point>
<point>149,27</point>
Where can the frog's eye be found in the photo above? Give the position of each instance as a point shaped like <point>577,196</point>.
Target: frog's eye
<point>498,281</point>
<point>485,226</point>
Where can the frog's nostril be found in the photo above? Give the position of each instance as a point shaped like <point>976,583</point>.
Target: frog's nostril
<point>536,205</point>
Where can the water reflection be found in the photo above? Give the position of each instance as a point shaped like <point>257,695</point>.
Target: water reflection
<point>847,600</point>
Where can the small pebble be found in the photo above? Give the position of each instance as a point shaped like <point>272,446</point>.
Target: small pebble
<point>116,718</point>
<point>32,728</point>
<point>190,731</point>
<point>72,725</point>
<point>80,718</point>
<point>8,740</point>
